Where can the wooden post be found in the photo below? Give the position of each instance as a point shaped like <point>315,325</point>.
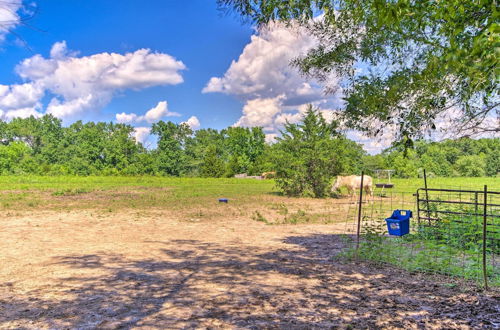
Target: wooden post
<point>359,212</point>
<point>485,217</point>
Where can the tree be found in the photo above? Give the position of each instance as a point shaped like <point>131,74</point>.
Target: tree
<point>471,165</point>
<point>212,166</point>
<point>12,155</point>
<point>492,158</point>
<point>243,146</point>
<point>308,155</point>
<point>420,58</point>
<point>171,156</point>
<point>198,146</point>
<point>464,157</point>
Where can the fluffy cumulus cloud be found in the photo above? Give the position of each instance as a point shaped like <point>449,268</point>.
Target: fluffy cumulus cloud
<point>193,122</point>
<point>151,116</point>
<point>9,16</point>
<point>273,91</point>
<point>77,84</point>
<point>261,112</point>
<point>19,113</point>
<point>141,134</point>
<point>20,96</point>
<point>263,69</point>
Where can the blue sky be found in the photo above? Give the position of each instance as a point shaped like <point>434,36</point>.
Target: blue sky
<point>139,62</point>
<point>194,31</point>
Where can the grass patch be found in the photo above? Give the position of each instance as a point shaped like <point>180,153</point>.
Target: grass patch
<point>71,191</point>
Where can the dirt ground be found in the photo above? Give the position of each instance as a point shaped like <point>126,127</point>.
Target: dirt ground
<point>89,269</point>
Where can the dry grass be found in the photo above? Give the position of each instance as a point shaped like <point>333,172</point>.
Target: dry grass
<point>173,257</point>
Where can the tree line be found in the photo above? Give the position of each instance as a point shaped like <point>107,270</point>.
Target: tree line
<point>312,150</point>
<point>460,157</point>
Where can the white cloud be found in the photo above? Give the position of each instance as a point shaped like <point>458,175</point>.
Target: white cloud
<point>9,16</point>
<point>271,137</point>
<point>158,112</point>
<point>193,122</point>
<point>151,116</point>
<point>263,69</point>
<point>447,124</point>
<point>20,96</point>
<point>19,113</point>
<point>126,117</point>
<point>60,50</point>
<point>141,134</point>
<point>64,109</point>
<point>86,83</point>
<point>260,112</point>
<point>262,77</point>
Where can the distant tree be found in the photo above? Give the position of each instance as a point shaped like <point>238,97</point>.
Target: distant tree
<point>120,149</point>
<point>492,159</point>
<point>243,146</point>
<point>212,165</point>
<point>433,159</point>
<point>202,142</point>
<point>473,165</point>
<point>170,154</point>
<point>374,162</point>
<point>43,146</point>
<point>12,155</point>
<point>404,163</point>
<point>423,58</point>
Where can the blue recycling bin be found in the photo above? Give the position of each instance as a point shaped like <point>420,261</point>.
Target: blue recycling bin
<point>399,223</point>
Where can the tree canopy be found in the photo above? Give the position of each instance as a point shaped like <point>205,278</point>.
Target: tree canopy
<point>403,62</point>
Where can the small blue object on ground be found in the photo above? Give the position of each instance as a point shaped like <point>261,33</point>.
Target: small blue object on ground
<point>399,223</point>
<point>223,200</point>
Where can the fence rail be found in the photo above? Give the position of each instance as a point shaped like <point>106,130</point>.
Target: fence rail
<point>456,232</point>
<point>473,211</point>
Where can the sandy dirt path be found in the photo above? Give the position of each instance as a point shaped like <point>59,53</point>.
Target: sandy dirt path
<point>127,269</point>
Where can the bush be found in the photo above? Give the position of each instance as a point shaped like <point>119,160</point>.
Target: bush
<point>310,154</point>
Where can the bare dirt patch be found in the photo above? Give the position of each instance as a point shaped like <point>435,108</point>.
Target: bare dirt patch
<point>153,269</point>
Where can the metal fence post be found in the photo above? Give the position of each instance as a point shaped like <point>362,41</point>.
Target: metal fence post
<point>485,217</point>
<point>418,209</point>
<point>359,212</point>
<point>476,203</point>
<point>427,198</point>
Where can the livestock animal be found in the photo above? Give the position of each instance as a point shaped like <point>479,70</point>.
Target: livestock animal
<point>352,182</point>
<point>268,175</point>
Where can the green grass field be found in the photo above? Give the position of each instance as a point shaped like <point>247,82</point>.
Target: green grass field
<point>411,185</point>
<point>192,197</point>
<point>195,186</point>
<point>28,192</point>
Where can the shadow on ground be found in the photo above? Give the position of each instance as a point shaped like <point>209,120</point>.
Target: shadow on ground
<point>188,283</point>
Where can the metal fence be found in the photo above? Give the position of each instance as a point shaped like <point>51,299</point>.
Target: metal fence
<point>468,220</point>
<point>455,232</point>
